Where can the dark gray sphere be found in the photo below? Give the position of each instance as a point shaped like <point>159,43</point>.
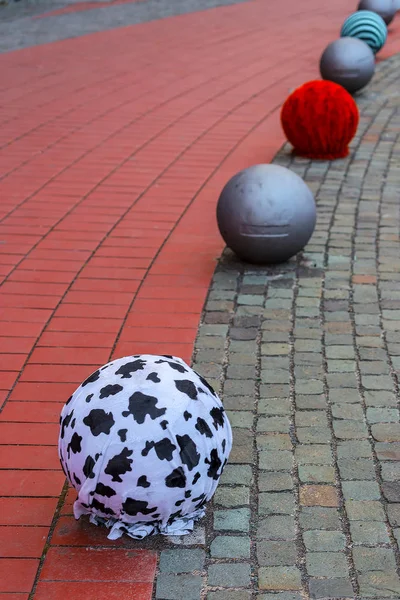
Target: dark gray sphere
<point>266,214</point>
<point>349,62</point>
<point>384,8</point>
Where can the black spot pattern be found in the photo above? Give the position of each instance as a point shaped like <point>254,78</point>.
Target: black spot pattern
<point>153,377</point>
<point>141,405</point>
<point>203,428</point>
<point>133,507</point>
<point>176,479</point>
<point>142,482</point>
<point>110,390</point>
<point>122,434</point>
<point>130,367</point>
<point>186,387</point>
<point>99,421</point>
<point>164,449</point>
<point>119,464</point>
<point>188,454</point>
<point>92,378</point>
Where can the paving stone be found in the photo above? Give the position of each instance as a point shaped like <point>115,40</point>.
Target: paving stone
<point>324,541</point>
<point>229,575</point>
<point>353,449</point>
<point>377,382</point>
<point>229,595</point>
<point>313,435</point>
<point>280,596</point>
<point>386,432</point>
<point>314,454</point>
<point>342,352</point>
<point>391,490</point>
<point>308,402</point>
<point>382,415</point>
<point>279,578</point>
<point>241,372</point>
<point>235,403</point>
<point>240,419</point>
<point>234,519</point>
<point>312,517</point>
<point>358,468</point>
<point>311,418</point>
<point>329,589</point>
<point>278,424</point>
<point>381,559</point>
<point>390,471</point>
<point>275,460</point>
<point>276,503</point>
<point>316,474</point>
<point>236,387</point>
<point>237,474</point>
<point>364,510</point>
<point>273,406</point>
<point>303,386</point>
<point>274,441</point>
<point>182,561</point>
<point>379,584</point>
<point>272,554</point>
<point>352,412</point>
<point>323,564</point>
<point>364,532</point>
<point>274,482</point>
<point>360,490</point>
<point>276,528</point>
<point>394,514</point>
<point>178,587</point>
<point>344,395</point>
<point>318,495</point>
<point>232,496</point>
<point>350,430</point>
<point>230,546</point>
<point>387,451</point>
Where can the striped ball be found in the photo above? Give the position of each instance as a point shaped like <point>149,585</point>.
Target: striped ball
<point>366,26</point>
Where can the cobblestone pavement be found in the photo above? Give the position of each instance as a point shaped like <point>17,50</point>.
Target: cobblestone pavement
<point>19,30</point>
<point>306,357</point>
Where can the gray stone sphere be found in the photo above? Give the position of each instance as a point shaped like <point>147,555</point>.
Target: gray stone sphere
<point>384,8</point>
<point>266,214</point>
<point>349,62</point>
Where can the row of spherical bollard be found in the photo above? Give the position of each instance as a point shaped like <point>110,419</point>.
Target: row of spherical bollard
<point>266,214</point>
<point>144,439</point>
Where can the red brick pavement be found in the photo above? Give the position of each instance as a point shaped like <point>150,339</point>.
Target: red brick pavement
<point>113,150</point>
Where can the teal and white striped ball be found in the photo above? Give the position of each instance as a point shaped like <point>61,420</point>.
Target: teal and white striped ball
<point>366,26</point>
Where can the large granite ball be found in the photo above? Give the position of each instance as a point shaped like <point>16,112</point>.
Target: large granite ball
<point>349,62</point>
<point>266,214</point>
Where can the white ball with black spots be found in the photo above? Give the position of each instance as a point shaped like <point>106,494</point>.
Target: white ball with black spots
<point>144,441</point>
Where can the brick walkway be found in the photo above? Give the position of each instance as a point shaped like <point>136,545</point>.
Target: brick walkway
<point>113,152</point>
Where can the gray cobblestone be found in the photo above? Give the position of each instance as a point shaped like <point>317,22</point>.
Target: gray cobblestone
<point>289,344</point>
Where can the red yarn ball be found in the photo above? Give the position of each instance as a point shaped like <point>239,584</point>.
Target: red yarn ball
<point>319,119</point>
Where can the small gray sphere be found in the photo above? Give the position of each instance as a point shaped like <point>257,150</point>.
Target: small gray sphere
<point>266,214</point>
<point>384,8</point>
<point>349,62</point>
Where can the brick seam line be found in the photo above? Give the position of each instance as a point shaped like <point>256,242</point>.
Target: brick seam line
<point>115,133</point>
<point>102,96</point>
<point>55,517</point>
<point>115,169</point>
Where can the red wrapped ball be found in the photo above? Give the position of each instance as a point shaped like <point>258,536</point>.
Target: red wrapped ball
<point>319,119</point>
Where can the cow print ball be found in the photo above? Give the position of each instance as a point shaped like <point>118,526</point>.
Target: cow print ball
<point>144,441</point>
